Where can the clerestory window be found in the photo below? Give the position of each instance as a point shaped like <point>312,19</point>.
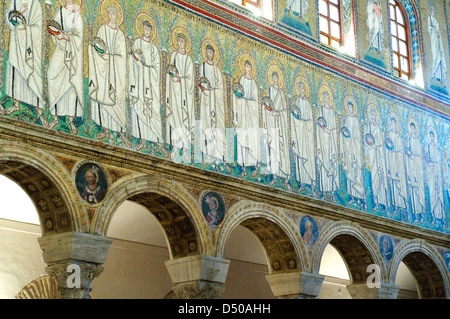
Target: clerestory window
<point>330,23</point>
<point>400,39</point>
<point>262,8</point>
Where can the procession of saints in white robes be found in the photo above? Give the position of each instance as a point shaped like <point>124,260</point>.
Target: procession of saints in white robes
<point>302,135</point>
<point>65,70</point>
<point>24,65</point>
<point>377,161</point>
<point>395,168</point>
<point>144,92</point>
<point>107,80</point>
<point>351,154</point>
<point>246,117</point>
<point>276,134</point>
<point>327,152</point>
<point>180,104</point>
<point>414,167</point>
<point>300,7</point>
<point>438,64</point>
<point>375,25</point>
<point>212,114</point>
<point>434,180</point>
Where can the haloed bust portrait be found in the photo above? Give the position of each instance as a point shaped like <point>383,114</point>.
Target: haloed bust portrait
<point>213,208</point>
<point>386,247</point>
<point>309,230</point>
<point>91,183</point>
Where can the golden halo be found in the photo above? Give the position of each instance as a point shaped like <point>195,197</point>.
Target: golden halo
<point>274,68</point>
<point>141,17</point>
<point>112,3</point>
<point>325,88</point>
<point>75,2</point>
<point>94,171</point>
<point>348,98</point>
<point>373,106</point>
<point>213,199</point>
<point>216,50</point>
<point>397,121</point>
<point>302,79</point>
<point>182,30</point>
<point>247,57</point>
<point>431,128</point>
<point>412,120</point>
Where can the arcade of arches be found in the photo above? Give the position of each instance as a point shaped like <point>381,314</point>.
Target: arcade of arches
<point>343,207</point>
<point>126,252</point>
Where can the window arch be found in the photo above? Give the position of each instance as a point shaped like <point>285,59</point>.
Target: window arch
<point>331,23</point>
<point>263,8</point>
<point>401,41</point>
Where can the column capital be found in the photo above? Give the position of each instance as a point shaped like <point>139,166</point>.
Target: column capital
<point>198,289</point>
<point>363,291</point>
<point>74,278</point>
<point>199,276</point>
<point>295,285</point>
<point>74,260</point>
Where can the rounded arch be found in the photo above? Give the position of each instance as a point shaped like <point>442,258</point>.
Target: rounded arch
<point>49,186</point>
<point>174,207</point>
<point>279,236</point>
<point>426,265</point>
<point>356,246</point>
<point>411,14</point>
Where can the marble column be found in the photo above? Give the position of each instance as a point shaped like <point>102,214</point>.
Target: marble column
<point>362,291</point>
<point>74,260</point>
<point>198,277</point>
<point>295,285</point>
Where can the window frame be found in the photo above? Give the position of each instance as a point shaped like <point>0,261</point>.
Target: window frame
<point>329,20</point>
<point>396,53</point>
<point>251,6</point>
<point>256,3</point>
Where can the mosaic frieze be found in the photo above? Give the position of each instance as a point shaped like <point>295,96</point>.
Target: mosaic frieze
<point>435,46</point>
<point>373,36</point>
<point>156,79</point>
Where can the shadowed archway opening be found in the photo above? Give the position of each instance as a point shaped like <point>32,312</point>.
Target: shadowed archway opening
<point>248,268</point>
<point>257,247</point>
<point>135,265</point>
<point>50,205</point>
<point>178,227</point>
<point>21,258</point>
<point>430,284</point>
<point>355,255</point>
<point>280,251</point>
<point>337,277</point>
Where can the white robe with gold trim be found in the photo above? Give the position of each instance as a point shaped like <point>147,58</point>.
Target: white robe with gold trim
<point>212,113</point>
<point>144,92</point>
<point>246,117</point>
<point>65,70</point>
<point>180,102</point>
<point>24,65</point>
<point>107,80</point>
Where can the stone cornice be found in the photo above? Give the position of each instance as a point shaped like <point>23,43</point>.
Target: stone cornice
<point>85,149</point>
